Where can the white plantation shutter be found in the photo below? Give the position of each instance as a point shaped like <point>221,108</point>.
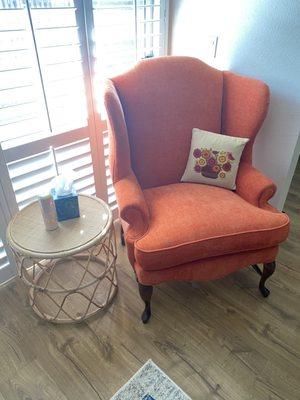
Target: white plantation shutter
<point>42,84</point>
<point>32,175</point>
<point>7,209</point>
<point>60,60</point>
<point>77,156</point>
<point>54,57</point>
<point>126,31</point>
<point>7,270</point>
<point>42,92</point>
<point>22,107</point>
<point>7,265</point>
<point>3,256</point>
<point>114,35</point>
<point>150,26</point>
<point>41,68</point>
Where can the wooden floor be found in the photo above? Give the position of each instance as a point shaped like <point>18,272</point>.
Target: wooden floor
<point>220,340</point>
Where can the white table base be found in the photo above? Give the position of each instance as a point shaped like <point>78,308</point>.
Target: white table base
<point>72,288</point>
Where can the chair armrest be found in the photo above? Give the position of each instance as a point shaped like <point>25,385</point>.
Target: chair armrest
<point>132,206</point>
<point>253,186</point>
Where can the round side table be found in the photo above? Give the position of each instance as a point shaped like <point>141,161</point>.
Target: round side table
<point>71,271</point>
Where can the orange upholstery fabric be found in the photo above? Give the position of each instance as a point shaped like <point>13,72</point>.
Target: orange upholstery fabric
<point>206,269</point>
<point>191,221</point>
<point>245,105</point>
<point>253,186</point>
<point>132,206</point>
<point>120,164</point>
<point>187,231</point>
<point>163,100</point>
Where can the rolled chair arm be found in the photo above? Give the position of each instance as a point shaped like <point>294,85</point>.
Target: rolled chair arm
<point>132,206</point>
<point>253,186</point>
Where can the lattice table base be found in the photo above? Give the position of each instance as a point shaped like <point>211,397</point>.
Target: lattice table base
<point>72,305</point>
<point>73,288</point>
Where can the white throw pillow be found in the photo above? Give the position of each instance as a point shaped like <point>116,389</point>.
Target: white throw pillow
<point>214,159</point>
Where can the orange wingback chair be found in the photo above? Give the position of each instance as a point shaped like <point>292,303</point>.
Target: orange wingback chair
<point>188,231</point>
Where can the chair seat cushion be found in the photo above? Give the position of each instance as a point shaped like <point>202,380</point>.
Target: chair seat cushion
<point>189,222</point>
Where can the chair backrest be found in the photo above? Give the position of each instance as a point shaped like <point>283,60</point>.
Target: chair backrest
<point>162,100</point>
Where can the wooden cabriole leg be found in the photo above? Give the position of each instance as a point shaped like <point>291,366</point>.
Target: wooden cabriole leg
<point>146,294</point>
<point>268,270</point>
<point>122,236</point>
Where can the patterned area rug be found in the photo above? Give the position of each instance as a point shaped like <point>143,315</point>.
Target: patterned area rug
<point>150,383</point>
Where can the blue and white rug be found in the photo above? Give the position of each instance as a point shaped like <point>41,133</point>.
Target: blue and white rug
<point>150,383</point>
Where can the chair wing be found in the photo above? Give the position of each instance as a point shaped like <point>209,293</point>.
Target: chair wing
<point>163,99</point>
<point>244,108</point>
<point>132,206</point>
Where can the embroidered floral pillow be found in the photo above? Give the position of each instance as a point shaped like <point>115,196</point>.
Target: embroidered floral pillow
<point>214,159</point>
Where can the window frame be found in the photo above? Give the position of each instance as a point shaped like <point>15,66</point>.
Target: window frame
<point>95,129</point>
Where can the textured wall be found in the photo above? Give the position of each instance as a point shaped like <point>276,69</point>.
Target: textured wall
<point>258,38</point>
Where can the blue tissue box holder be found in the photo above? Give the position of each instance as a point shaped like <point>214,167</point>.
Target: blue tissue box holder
<point>67,207</point>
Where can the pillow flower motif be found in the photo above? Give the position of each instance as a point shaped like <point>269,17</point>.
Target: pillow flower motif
<point>212,163</point>
<point>214,159</point>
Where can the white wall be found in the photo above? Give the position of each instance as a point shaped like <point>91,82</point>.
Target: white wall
<point>261,39</point>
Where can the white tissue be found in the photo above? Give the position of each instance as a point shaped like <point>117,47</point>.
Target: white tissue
<point>63,183</point>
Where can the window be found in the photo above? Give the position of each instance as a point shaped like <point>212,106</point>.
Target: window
<point>126,31</point>
<point>42,83</point>
<point>54,57</point>
<point>32,175</point>
<point>42,57</point>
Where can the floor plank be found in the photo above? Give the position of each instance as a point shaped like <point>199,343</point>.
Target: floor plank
<point>218,340</point>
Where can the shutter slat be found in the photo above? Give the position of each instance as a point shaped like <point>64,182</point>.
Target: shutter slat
<point>31,194</point>
<point>33,180</point>
<point>76,163</point>
<point>110,190</point>
<point>90,190</point>
<point>32,191</point>
<point>111,199</point>
<point>72,145</point>
<point>27,165</point>
<point>73,154</point>
<point>33,175</point>
<point>84,174</point>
